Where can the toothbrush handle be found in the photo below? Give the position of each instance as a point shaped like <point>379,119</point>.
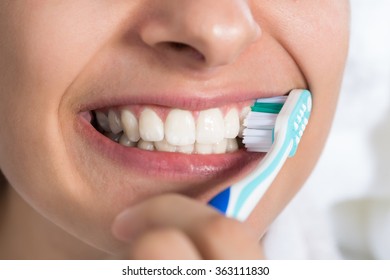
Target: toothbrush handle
<point>221,200</point>
<point>238,200</point>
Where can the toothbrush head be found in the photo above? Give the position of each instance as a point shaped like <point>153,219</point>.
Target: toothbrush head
<point>258,136</point>
<point>294,117</point>
<point>270,116</point>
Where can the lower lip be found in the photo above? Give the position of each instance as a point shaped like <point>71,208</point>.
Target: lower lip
<point>165,165</point>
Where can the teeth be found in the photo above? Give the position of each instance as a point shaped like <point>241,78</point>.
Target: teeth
<point>203,149</point>
<point>130,125</point>
<point>114,121</point>
<point>189,149</point>
<point>145,145</point>
<point>112,136</point>
<point>164,146</point>
<point>126,141</point>
<point>210,127</point>
<point>232,124</point>
<point>210,133</point>
<point>151,127</point>
<point>180,128</point>
<point>231,146</point>
<point>102,120</point>
<point>244,112</point>
<point>220,148</point>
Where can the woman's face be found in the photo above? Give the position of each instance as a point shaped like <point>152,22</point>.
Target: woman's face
<point>65,63</point>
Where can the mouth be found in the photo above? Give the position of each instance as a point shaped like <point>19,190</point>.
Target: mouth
<point>162,129</point>
<point>171,143</point>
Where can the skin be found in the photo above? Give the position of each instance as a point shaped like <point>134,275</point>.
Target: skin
<point>65,200</point>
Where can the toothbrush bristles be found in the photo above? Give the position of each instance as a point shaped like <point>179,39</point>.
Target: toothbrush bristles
<point>260,122</point>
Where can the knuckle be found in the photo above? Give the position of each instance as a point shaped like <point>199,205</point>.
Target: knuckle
<point>162,243</point>
<point>222,226</point>
<point>158,204</point>
<point>228,229</point>
<point>151,241</point>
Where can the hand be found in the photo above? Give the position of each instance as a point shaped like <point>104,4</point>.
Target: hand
<point>176,227</point>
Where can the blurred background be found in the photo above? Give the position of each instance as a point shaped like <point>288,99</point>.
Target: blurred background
<point>343,212</point>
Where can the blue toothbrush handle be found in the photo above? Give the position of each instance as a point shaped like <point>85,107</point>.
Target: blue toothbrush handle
<point>237,201</point>
<point>221,201</point>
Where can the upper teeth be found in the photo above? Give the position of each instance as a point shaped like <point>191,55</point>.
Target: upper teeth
<point>210,132</point>
<point>151,127</point>
<point>210,127</point>
<point>180,128</point>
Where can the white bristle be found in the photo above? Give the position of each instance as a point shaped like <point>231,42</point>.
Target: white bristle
<point>261,149</point>
<point>257,141</point>
<point>267,133</point>
<point>258,135</point>
<point>259,132</point>
<point>276,99</point>
<point>259,120</point>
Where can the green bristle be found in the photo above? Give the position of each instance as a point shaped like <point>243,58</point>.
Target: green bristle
<point>272,108</point>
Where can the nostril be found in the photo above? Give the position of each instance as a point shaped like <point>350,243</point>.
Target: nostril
<point>184,49</point>
<point>178,46</point>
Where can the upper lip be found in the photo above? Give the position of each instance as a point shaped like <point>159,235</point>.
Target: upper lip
<point>112,87</point>
<point>184,100</point>
<point>118,80</point>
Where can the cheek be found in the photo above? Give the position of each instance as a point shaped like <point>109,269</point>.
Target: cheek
<point>322,49</point>
<point>45,51</point>
<point>315,33</point>
<point>318,42</point>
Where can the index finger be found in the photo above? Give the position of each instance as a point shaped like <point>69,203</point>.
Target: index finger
<point>214,236</point>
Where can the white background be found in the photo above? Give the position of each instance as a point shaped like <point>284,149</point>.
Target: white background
<point>344,209</point>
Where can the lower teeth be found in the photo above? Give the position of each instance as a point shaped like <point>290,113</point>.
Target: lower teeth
<point>228,145</point>
<point>225,146</point>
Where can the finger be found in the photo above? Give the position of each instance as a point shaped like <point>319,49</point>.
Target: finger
<point>163,211</point>
<point>214,236</point>
<point>163,244</point>
<point>224,238</point>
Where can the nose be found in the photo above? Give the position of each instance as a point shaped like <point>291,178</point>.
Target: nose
<point>209,33</point>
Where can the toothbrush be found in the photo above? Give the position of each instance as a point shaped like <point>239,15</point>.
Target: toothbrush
<point>274,125</point>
